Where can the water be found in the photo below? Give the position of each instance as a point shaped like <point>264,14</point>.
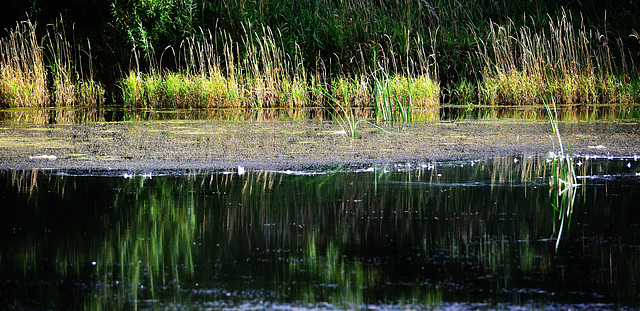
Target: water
<point>454,235</point>
<point>47,116</point>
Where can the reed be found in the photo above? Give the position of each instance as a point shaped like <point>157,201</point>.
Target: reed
<point>270,54</point>
<point>341,104</point>
<point>564,181</point>
<point>220,75</point>
<point>24,72</point>
<point>72,86</point>
<point>216,72</point>
<point>23,77</point>
<point>397,97</point>
<point>564,63</point>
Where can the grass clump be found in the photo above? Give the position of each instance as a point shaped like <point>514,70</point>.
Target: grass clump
<point>564,63</point>
<point>23,77</point>
<point>222,77</point>
<point>397,97</point>
<point>24,73</point>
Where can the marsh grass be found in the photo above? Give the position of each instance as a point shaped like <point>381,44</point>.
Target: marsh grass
<point>564,180</point>
<point>218,74</point>
<point>397,98</point>
<point>23,77</point>
<point>341,108</point>
<point>262,54</point>
<point>570,65</point>
<point>28,61</point>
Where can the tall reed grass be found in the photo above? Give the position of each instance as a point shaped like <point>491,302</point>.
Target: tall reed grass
<point>221,75</point>
<point>217,71</point>
<point>394,53</point>
<point>23,77</point>
<point>522,65</point>
<point>29,61</point>
<point>71,85</point>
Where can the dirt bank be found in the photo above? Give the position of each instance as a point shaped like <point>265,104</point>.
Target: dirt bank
<point>158,145</point>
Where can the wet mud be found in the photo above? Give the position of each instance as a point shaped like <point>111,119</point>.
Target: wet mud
<point>168,145</point>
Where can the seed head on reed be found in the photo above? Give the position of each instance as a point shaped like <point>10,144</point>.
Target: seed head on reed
<point>23,77</point>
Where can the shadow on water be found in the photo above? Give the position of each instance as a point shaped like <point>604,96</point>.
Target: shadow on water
<point>472,234</point>
<point>45,116</point>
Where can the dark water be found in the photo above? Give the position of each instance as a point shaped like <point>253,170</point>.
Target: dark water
<point>456,235</point>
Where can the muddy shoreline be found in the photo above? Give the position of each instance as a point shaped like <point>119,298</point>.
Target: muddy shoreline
<point>273,145</point>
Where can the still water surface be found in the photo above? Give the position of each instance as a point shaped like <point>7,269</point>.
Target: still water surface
<point>46,116</point>
<point>454,235</point>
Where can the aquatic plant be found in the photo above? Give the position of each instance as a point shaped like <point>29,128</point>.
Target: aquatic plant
<point>71,86</point>
<point>23,77</point>
<point>269,53</point>
<point>397,97</point>
<point>564,180</point>
<point>571,65</point>
<point>340,108</point>
<point>261,76</point>
<point>23,70</point>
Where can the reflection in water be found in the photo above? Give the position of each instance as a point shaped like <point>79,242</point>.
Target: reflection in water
<point>468,233</point>
<point>45,116</point>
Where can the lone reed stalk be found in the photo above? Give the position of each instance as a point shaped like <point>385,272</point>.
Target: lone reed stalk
<point>564,180</point>
<point>23,77</point>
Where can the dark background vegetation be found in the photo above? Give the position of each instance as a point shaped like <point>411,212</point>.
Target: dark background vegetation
<point>342,35</point>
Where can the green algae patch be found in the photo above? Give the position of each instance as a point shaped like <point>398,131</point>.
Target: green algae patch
<point>34,143</point>
<point>297,144</point>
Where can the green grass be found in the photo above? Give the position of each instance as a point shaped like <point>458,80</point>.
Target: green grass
<point>525,66</point>
<point>266,54</point>
<point>23,77</point>
<point>265,77</point>
<point>29,61</point>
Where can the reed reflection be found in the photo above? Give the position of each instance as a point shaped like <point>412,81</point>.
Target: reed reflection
<point>416,234</point>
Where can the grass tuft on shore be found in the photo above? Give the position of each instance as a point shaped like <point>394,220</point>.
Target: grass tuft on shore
<point>27,62</point>
<point>23,77</point>
<point>569,65</point>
